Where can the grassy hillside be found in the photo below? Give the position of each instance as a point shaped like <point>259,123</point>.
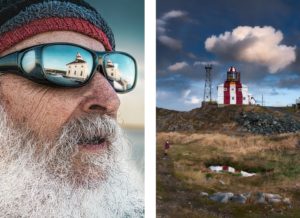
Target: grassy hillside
<point>184,174</point>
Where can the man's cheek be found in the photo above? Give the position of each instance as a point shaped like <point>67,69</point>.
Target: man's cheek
<point>54,113</point>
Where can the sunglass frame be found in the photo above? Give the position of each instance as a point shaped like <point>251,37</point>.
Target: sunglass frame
<point>12,63</point>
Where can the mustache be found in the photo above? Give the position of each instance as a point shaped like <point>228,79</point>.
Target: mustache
<point>90,129</point>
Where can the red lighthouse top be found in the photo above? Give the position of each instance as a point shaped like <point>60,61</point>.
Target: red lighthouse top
<point>233,75</point>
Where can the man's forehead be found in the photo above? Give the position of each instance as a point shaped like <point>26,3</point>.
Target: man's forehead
<point>59,37</point>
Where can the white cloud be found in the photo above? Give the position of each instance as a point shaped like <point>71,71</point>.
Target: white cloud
<point>193,100</point>
<point>203,63</point>
<point>257,45</point>
<point>170,42</point>
<point>161,26</point>
<point>187,99</point>
<point>174,14</point>
<point>191,55</point>
<point>161,29</point>
<point>178,66</point>
<point>186,93</point>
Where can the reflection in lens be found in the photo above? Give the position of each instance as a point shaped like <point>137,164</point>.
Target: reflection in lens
<point>77,69</point>
<point>28,61</point>
<point>120,69</point>
<point>67,65</point>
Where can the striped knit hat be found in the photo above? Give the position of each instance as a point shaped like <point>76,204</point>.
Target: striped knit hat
<point>21,19</point>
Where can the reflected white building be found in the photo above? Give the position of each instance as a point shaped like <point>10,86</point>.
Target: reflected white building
<point>114,74</point>
<point>112,71</point>
<point>78,68</point>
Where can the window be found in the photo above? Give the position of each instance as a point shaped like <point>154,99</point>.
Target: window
<point>225,89</point>
<point>244,98</point>
<point>232,98</point>
<point>232,89</point>
<point>69,71</point>
<point>75,72</point>
<point>81,66</point>
<point>81,73</point>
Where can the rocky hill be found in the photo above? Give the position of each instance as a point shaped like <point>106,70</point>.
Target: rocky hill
<point>252,119</point>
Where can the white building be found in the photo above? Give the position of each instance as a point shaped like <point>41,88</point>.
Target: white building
<point>77,69</point>
<point>112,71</point>
<point>232,91</point>
<point>235,95</point>
<point>115,75</point>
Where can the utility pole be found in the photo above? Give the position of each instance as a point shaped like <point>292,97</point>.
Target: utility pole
<point>207,87</point>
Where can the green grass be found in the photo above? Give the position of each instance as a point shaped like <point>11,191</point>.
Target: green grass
<point>178,180</point>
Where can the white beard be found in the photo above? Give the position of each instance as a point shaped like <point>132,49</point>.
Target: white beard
<point>29,189</point>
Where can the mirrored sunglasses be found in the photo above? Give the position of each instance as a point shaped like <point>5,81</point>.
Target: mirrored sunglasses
<point>70,65</point>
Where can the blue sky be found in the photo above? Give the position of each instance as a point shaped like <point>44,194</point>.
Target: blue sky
<point>126,19</point>
<point>261,38</point>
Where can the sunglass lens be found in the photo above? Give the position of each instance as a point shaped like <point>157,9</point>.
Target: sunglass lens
<point>29,61</point>
<point>67,65</point>
<point>120,70</point>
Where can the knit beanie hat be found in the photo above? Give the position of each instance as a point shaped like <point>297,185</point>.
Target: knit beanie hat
<point>22,19</point>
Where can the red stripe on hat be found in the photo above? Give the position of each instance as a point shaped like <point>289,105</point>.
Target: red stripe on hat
<point>35,27</point>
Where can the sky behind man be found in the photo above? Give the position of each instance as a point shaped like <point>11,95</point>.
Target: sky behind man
<point>130,40</point>
<point>62,151</point>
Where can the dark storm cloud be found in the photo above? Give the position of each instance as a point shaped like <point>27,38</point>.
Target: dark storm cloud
<point>295,66</point>
<point>290,83</point>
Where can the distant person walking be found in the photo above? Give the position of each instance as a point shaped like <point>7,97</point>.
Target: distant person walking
<point>167,146</point>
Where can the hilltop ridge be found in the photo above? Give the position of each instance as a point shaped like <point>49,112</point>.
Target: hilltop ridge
<point>252,119</point>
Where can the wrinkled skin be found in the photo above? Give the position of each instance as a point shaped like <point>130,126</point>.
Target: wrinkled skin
<point>46,109</point>
<point>43,171</point>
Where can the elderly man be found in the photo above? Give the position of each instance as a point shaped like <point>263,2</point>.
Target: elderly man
<point>62,152</point>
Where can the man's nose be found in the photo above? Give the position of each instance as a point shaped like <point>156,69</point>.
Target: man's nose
<point>100,97</point>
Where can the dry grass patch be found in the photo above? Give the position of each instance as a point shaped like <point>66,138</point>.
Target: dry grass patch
<point>235,145</point>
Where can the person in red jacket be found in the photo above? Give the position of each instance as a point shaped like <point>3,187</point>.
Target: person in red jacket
<point>167,147</point>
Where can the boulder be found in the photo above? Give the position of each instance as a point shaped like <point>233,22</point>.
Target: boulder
<point>286,201</point>
<point>204,194</point>
<point>222,197</point>
<point>260,198</point>
<point>265,123</point>
<point>239,198</point>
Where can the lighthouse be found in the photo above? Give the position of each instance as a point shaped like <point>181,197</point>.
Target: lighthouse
<point>232,91</point>
<point>77,69</point>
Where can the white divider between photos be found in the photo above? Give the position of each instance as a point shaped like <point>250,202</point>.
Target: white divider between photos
<point>150,108</point>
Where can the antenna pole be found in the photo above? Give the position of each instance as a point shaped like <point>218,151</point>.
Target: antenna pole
<point>208,84</point>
